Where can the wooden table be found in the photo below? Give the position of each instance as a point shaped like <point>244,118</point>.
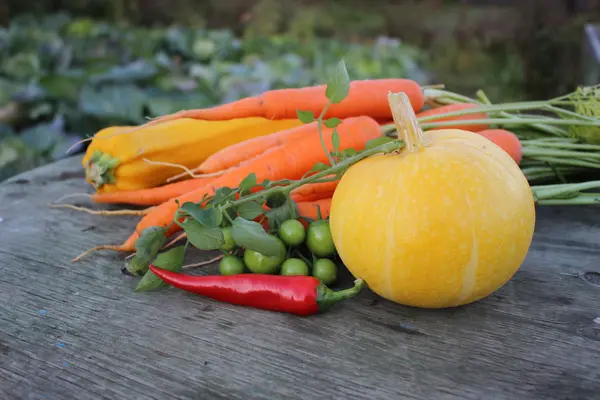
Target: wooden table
<point>78,331</point>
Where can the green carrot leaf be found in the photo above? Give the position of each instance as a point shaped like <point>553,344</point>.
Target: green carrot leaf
<point>335,141</point>
<point>251,235</point>
<point>332,122</point>
<point>171,260</point>
<point>147,247</point>
<point>209,217</point>
<point>203,237</point>
<point>305,116</point>
<point>338,84</point>
<point>250,210</point>
<point>248,183</point>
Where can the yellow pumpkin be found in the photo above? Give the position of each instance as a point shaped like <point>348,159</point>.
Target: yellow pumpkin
<point>117,158</point>
<point>444,222</point>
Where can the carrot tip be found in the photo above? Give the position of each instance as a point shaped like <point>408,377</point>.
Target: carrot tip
<point>103,212</point>
<point>177,239</point>
<point>94,249</point>
<point>203,263</point>
<point>192,174</point>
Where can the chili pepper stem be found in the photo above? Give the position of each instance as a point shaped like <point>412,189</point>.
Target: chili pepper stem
<point>327,297</point>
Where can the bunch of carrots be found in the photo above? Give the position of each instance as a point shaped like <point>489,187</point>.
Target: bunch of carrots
<point>542,145</point>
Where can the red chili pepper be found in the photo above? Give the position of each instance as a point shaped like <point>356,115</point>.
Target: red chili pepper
<point>300,295</point>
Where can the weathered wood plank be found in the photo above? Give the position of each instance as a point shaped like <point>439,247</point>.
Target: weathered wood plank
<point>77,331</point>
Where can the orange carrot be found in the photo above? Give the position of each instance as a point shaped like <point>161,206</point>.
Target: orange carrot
<point>288,161</point>
<point>453,108</point>
<point>151,196</point>
<point>314,191</point>
<point>507,140</point>
<point>365,97</point>
<point>233,155</point>
<point>309,209</point>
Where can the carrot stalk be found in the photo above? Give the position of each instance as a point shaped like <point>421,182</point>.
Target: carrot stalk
<point>428,116</point>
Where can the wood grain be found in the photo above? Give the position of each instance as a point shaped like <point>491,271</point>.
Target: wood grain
<point>77,331</point>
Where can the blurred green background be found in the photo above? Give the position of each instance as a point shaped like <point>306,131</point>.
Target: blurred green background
<point>71,67</point>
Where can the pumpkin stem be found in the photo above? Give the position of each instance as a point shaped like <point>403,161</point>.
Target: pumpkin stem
<point>407,126</point>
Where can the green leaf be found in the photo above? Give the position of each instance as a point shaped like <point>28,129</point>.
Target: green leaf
<point>371,144</point>
<point>123,102</point>
<point>209,217</point>
<point>250,210</point>
<point>221,194</point>
<point>44,136</point>
<point>251,235</point>
<point>147,247</point>
<point>338,85</point>
<point>335,140</point>
<point>276,199</point>
<point>248,183</point>
<point>318,167</point>
<point>171,260</point>
<point>305,116</point>
<point>276,216</point>
<point>332,122</point>
<point>347,153</point>
<point>138,70</point>
<point>203,237</point>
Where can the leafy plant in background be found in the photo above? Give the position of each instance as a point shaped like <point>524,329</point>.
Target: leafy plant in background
<point>62,79</point>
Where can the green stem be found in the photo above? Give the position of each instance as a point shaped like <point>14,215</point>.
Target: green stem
<point>573,114</point>
<point>488,109</point>
<point>483,97</point>
<point>327,297</point>
<point>538,143</point>
<point>510,121</point>
<point>456,98</point>
<point>562,161</point>
<point>529,151</point>
<point>303,258</point>
<point>338,168</point>
<point>293,213</point>
<point>320,127</point>
<point>559,191</point>
<point>582,199</point>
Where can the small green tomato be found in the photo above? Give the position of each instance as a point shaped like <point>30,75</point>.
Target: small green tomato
<point>292,232</point>
<point>231,265</point>
<point>294,266</point>
<point>325,270</point>
<point>319,239</point>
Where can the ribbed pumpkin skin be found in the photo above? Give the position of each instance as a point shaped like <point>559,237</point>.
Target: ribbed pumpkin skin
<point>441,227</point>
